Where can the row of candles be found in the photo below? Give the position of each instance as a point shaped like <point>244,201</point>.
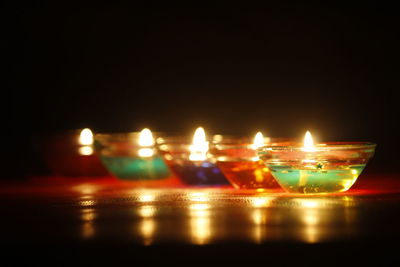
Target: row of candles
<point>260,162</point>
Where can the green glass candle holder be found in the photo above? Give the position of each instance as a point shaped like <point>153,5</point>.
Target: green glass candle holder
<point>122,155</point>
<point>326,168</point>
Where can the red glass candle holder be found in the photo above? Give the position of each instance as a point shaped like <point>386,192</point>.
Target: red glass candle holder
<point>65,156</point>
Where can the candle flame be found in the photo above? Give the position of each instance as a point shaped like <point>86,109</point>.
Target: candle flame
<point>146,140</point>
<point>308,142</point>
<point>86,137</point>
<point>199,147</point>
<point>86,142</point>
<point>258,140</point>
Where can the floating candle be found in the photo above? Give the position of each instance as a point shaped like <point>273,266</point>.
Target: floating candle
<point>239,162</point>
<point>131,156</point>
<point>191,161</point>
<point>72,154</point>
<point>86,142</point>
<point>321,168</point>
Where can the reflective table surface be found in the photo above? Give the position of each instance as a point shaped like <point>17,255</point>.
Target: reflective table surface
<point>85,216</point>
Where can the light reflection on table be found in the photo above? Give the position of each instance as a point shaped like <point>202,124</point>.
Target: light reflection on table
<point>206,216</point>
<point>104,211</point>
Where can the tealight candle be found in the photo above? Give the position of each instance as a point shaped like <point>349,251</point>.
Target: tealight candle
<point>72,154</point>
<point>238,160</point>
<point>131,156</point>
<point>191,162</point>
<point>322,168</point>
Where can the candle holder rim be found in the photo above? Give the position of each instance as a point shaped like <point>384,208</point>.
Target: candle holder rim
<point>215,139</point>
<point>322,146</point>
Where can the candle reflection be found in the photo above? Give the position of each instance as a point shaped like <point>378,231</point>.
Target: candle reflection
<point>147,228</point>
<point>146,197</point>
<point>88,216</point>
<point>147,225</point>
<point>200,223</point>
<point>259,218</point>
<point>198,196</point>
<point>147,211</point>
<point>261,201</point>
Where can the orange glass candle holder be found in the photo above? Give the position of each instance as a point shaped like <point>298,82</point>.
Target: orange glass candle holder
<point>238,160</point>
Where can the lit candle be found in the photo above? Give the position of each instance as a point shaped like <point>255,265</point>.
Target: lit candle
<point>146,142</point>
<point>199,147</point>
<point>239,162</point>
<point>132,156</point>
<point>317,168</point>
<point>191,162</point>
<point>308,145</point>
<point>86,142</point>
<point>72,154</point>
<point>258,140</point>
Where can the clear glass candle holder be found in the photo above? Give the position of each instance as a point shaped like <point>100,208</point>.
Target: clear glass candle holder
<point>325,168</point>
<point>238,160</point>
<point>177,155</point>
<point>122,155</point>
<point>65,156</point>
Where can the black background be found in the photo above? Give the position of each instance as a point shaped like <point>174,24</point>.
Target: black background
<point>281,69</point>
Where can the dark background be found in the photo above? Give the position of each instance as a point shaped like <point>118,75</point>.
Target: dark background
<point>120,67</point>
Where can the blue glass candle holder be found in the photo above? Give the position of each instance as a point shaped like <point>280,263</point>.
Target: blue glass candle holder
<point>326,168</point>
<point>122,155</point>
<point>176,153</point>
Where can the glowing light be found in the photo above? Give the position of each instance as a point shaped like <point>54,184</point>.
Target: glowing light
<point>86,140</point>
<point>85,150</point>
<point>258,140</point>
<point>199,210</point>
<point>200,223</point>
<point>88,216</point>
<point>147,211</point>
<point>261,201</point>
<point>309,203</point>
<point>308,143</point>
<point>86,137</point>
<point>87,203</point>
<point>259,217</point>
<point>146,140</point>
<point>198,196</point>
<point>199,147</point>
<point>147,228</point>
<point>146,198</point>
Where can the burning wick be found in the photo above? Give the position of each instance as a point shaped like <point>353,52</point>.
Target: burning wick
<point>308,143</point>
<point>146,140</point>
<point>199,147</point>
<point>86,140</point>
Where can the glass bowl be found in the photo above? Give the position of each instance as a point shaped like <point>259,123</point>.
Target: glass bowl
<point>238,160</point>
<point>326,168</point>
<point>65,156</point>
<point>176,153</point>
<point>126,159</point>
